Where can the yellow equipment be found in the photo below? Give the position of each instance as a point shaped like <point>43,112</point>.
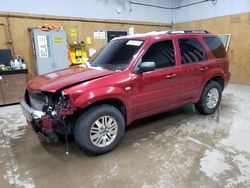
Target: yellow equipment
<point>77,53</point>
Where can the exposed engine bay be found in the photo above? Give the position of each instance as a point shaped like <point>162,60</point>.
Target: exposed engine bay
<point>51,114</point>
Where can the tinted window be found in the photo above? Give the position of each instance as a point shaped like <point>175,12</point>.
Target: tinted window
<point>162,53</point>
<point>191,51</point>
<point>216,46</point>
<point>117,55</point>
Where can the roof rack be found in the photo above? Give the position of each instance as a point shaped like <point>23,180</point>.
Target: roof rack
<point>187,32</point>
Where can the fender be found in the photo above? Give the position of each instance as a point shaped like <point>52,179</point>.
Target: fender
<point>214,72</point>
<point>82,99</point>
<point>210,74</point>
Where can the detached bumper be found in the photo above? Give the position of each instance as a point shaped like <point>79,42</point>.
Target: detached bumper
<point>29,113</point>
<point>35,119</point>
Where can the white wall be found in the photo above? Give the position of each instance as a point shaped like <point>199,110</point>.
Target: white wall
<point>106,9</point>
<point>102,9</point>
<point>208,10</point>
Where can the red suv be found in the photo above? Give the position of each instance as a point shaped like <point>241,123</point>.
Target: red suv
<point>131,78</point>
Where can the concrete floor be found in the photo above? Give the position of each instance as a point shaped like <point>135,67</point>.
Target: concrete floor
<point>176,149</point>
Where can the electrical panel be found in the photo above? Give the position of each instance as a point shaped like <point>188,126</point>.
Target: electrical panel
<point>50,50</point>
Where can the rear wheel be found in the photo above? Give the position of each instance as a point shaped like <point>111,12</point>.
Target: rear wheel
<point>99,129</point>
<point>210,98</point>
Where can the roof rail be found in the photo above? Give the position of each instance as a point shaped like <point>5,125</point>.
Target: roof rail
<point>187,32</point>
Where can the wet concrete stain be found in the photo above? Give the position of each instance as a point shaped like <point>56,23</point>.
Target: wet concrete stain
<point>179,148</point>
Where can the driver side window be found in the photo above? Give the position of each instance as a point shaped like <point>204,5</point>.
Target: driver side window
<point>162,53</point>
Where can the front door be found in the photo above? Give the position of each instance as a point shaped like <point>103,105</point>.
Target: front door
<point>157,91</point>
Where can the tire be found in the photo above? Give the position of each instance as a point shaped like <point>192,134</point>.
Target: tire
<point>91,122</point>
<point>211,89</point>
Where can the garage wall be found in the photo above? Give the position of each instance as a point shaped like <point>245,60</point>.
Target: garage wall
<point>19,23</point>
<point>86,16</point>
<point>102,9</point>
<point>204,16</point>
<point>239,28</point>
<point>208,10</point>
<point>225,17</point>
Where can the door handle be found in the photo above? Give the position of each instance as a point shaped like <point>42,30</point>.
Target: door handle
<point>204,68</point>
<point>170,76</point>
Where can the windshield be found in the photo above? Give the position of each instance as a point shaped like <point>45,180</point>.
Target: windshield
<point>117,55</point>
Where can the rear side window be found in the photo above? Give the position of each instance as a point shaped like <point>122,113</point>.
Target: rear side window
<point>162,53</point>
<point>191,51</point>
<point>216,46</point>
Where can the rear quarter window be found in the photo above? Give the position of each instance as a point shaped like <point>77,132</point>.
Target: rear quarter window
<point>216,46</point>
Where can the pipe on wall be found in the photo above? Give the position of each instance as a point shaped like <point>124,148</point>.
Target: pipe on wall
<point>9,41</point>
<point>171,8</point>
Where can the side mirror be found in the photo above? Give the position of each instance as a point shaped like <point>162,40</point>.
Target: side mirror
<point>146,66</point>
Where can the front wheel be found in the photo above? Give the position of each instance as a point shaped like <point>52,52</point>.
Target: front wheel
<point>99,129</point>
<point>210,98</point>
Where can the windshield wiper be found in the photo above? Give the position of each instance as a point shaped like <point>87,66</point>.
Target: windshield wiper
<point>86,64</point>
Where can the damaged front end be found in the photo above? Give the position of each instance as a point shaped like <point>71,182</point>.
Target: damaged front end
<point>48,114</point>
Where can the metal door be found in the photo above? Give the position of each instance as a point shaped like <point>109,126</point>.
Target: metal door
<point>42,51</point>
<point>59,49</point>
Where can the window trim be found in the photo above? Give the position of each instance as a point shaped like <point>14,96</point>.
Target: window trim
<point>193,62</point>
<point>138,63</point>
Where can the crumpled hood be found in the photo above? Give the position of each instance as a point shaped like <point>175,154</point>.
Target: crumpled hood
<point>53,81</point>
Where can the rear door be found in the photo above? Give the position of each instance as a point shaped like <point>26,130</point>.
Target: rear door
<point>157,90</point>
<point>193,63</point>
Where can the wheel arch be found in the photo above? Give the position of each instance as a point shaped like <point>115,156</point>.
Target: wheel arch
<point>115,102</point>
<point>218,79</point>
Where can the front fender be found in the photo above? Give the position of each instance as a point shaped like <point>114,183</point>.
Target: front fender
<point>86,98</point>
